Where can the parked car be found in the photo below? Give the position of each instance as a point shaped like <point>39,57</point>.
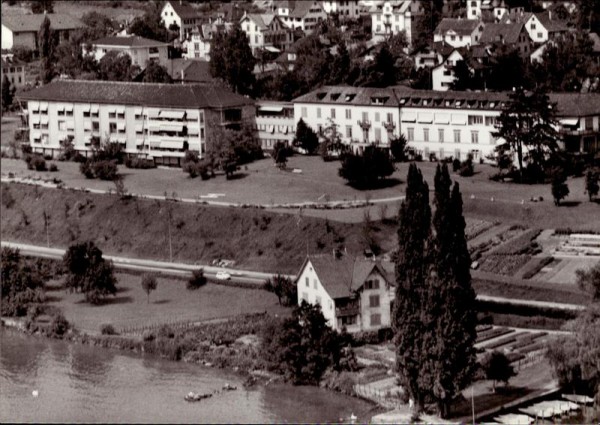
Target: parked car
<point>223,276</point>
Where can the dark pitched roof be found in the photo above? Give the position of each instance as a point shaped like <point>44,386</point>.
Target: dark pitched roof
<point>128,41</point>
<point>503,33</point>
<point>146,94</point>
<point>184,9</point>
<point>11,61</point>
<point>194,71</point>
<point>552,25</point>
<point>576,104</point>
<point>459,26</point>
<point>262,20</point>
<point>301,8</point>
<point>30,23</point>
<point>341,277</point>
<point>346,95</point>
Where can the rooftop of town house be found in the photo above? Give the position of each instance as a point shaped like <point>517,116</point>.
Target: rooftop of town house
<point>184,9</point>
<point>502,33</point>
<point>143,94</point>
<point>459,26</point>
<point>127,41</point>
<point>33,22</point>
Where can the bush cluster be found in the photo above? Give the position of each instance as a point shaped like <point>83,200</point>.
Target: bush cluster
<point>108,329</point>
<point>35,162</point>
<point>139,163</point>
<point>99,169</point>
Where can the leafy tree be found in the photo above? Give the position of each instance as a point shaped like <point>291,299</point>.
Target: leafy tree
<point>149,284</point>
<point>197,280</point>
<point>589,281</point>
<point>42,6</point>
<point>21,284</point>
<point>576,358</point>
<point>527,121</point>
<point>232,61</point>
<point>462,77</point>
<point>88,272</point>
<point>306,138</point>
<point>398,148</point>
<point>412,322</point>
<point>560,190</point>
<point>507,69</point>
<point>117,66</point>
<point>426,22</point>
<point>47,42</point>
<point>452,298</point>
<point>368,169</point>
<point>340,66</point>
<point>303,346</point>
<point>97,25</point>
<point>156,73</point>
<point>280,154</point>
<point>591,184</point>
<point>381,72</point>
<point>313,64</point>
<point>8,93</point>
<point>149,26</point>
<point>283,288</point>
<point>497,367</point>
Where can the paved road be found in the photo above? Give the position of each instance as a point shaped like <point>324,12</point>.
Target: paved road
<point>137,264</point>
<point>241,276</point>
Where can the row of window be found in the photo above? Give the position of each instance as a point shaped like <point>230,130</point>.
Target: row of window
<point>374,320</point>
<point>410,135</point>
<point>348,114</point>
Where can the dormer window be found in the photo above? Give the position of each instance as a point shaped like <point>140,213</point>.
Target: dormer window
<point>334,96</point>
<point>458,103</point>
<point>350,97</point>
<point>448,102</point>
<point>378,100</point>
<point>321,95</point>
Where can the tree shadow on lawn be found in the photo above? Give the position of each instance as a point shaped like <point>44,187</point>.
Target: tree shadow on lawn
<point>52,299</point>
<point>161,302</point>
<point>380,184</point>
<point>108,301</point>
<point>462,408</point>
<point>569,204</point>
<point>238,176</point>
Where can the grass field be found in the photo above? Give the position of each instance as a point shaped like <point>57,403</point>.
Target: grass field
<point>126,11</point>
<point>171,302</point>
<point>262,183</point>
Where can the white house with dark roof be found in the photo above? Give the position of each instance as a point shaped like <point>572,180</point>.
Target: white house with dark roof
<point>182,14</point>
<point>542,28</point>
<point>442,75</point>
<point>266,31</point>
<point>157,121</point>
<point>22,30</point>
<point>514,35</point>
<point>490,10</point>
<point>304,15</point>
<point>14,70</point>
<point>458,32</point>
<point>139,49</point>
<point>354,294</point>
<point>344,9</point>
<point>394,16</point>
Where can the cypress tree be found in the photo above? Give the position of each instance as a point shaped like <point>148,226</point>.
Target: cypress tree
<point>411,320</point>
<point>452,299</point>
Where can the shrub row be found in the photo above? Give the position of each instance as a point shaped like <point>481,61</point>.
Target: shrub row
<point>525,310</point>
<point>501,342</point>
<point>514,357</point>
<point>493,333</point>
<point>537,266</point>
<point>503,264</point>
<point>533,347</point>
<point>522,244</point>
<point>527,340</point>
<point>372,337</point>
<point>140,163</point>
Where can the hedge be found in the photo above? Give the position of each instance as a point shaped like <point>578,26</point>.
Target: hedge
<point>537,266</point>
<point>525,310</point>
<point>522,244</point>
<point>493,333</point>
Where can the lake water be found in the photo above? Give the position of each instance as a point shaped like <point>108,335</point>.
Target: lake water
<point>78,383</point>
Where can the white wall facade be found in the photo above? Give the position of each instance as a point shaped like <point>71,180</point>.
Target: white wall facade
<point>473,9</point>
<point>348,9</point>
<point>161,133</point>
<point>442,76</point>
<point>275,123</point>
<point>312,291</point>
<point>537,32</point>
<point>197,48</point>
<point>375,315</point>
<point>139,55</point>
<point>186,25</point>
<point>7,38</point>
<point>449,132</point>
<point>391,21</point>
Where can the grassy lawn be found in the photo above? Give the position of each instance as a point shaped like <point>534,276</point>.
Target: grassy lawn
<point>171,302</point>
<point>262,183</point>
<point>9,124</point>
<point>127,10</point>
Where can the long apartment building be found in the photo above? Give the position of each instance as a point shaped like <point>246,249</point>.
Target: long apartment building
<point>158,121</point>
<point>437,124</point>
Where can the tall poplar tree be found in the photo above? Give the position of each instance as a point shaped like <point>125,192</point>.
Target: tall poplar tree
<point>412,321</point>
<point>47,41</point>
<point>452,296</point>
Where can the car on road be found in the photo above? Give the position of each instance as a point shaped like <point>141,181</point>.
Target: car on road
<point>223,276</point>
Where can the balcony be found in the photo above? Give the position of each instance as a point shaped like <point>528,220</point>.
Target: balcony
<point>389,126</point>
<point>351,310</point>
<point>364,124</point>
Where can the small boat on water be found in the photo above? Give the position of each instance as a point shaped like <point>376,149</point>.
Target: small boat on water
<point>191,396</point>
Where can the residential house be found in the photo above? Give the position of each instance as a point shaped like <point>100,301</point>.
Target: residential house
<point>343,9</point>
<point>458,32</point>
<point>157,121</point>
<point>139,49</point>
<point>191,71</point>
<point>14,70</point>
<point>490,10</point>
<point>514,35</point>
<point>266,31</point>
<point>427,57</point>
<point>182,14</point>
<point>304,15</point>
<point>197,45</point>
<point>579,121</point>
<point>394,16</point>
<point>442,75</point>
<point>22,30</point>
<point>354,294</point>
<point>360,115</point>
<point>541,27</point>
<point>275,123</point>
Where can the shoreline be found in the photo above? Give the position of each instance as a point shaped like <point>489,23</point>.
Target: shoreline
<point>137,347</point>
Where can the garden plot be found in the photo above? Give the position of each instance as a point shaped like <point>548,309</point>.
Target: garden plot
<point>505,254</point>
<point>519,346</point>
<point>563,270</point>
